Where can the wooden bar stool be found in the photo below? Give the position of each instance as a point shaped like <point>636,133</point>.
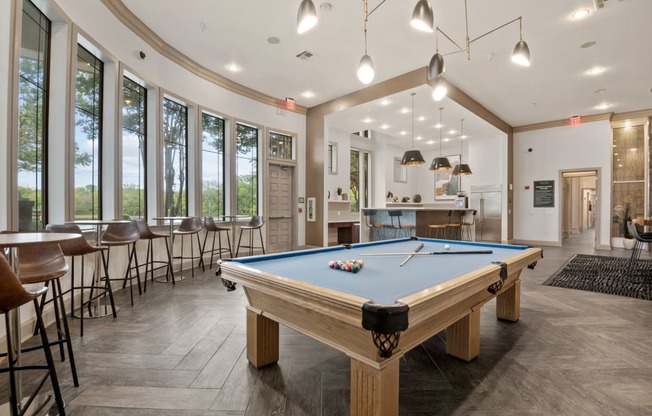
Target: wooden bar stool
<point>395,217</point>
<point>189,227</point>
<point>211,227</point>
<point>256,223</point>
<point>79,247</point>
<point>438,229</point>
<point>146,233</point>
<point>12,296</point>
<point>124,234</point>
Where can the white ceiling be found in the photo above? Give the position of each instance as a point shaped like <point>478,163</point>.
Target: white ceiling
<point>556,85</point>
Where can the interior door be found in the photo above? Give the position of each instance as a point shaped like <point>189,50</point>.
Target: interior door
<point>279,227</point>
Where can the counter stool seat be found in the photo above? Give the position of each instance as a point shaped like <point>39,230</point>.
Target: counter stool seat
<point>376,229</point>
<point>256,223</point>
<point>439,230</point>
<point>189,227</point>
<point>146,233</point>
<point>211,227</point>
<point>124,234</point>
<point>395,217</point>
<point>12,296</point>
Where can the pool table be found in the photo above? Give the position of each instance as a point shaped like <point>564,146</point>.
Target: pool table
<point>378,314</point>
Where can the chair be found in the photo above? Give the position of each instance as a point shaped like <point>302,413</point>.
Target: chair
<point>188,227</point>
<point>454,228</point>
<point>124,234</point>
<point>12,296</point>
<point>256,223</point>
<point>641,239</point>
<point>211,227</point>
<point>397,226</point>
<point>146,233</point>
<point>374,227</point>
<point>467,226</point>
<point>440,229</point>
<point>79,247</point>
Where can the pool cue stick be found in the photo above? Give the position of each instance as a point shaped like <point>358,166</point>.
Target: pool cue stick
<point>416,250</point>
<point>428,253</point>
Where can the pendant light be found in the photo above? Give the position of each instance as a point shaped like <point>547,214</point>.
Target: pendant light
<point>366,66</point>
<point>439,90</point>
<point>521,55</point>
<point>306,17</point>
<point>423,18</point>
<point>412,157</point>
<point>441,162</point>
<point>462,169</point>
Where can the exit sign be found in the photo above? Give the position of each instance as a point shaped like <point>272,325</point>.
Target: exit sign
<point>575,121</point>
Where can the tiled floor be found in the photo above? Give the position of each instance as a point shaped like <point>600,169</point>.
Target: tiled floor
<point>180,351</point>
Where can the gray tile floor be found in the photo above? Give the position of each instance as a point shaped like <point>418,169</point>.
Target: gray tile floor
<point>180,351</point>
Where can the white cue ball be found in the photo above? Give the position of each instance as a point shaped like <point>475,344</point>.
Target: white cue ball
<point>447,247</point>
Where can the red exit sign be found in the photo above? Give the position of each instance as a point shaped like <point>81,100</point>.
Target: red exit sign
<point>575,121</point>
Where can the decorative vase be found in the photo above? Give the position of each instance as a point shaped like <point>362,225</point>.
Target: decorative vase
<point>629,243</point>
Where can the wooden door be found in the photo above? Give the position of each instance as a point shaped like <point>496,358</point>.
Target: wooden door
<point>279,230</point>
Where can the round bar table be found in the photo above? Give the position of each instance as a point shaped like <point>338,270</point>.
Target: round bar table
<point>97,309</point>
<point>10,245</point>
<point>171,221</point>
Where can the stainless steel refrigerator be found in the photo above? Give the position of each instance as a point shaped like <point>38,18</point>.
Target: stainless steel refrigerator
<point>486,199</point>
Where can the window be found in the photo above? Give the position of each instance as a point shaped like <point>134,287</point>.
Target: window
<point>246,169</point>
<point>88,136</point>
<point>359,180</point>
<point>32,119</point>
<point>134,149</point>
<point>280,146</point>
<point>212,165</point>
<point>175,155</point>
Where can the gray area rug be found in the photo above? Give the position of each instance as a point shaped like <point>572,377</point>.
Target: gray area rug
<point>605,275</point>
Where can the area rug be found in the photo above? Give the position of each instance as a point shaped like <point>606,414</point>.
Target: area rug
<point>603,274</point>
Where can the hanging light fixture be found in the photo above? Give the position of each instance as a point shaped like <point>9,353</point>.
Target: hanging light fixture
<point>366,66</point>
<point>439,90</point>
<point>422,18</point>
<point>441,162</point>
<point>412,157</point>
<point>462,169</point>
<point>306,17</point>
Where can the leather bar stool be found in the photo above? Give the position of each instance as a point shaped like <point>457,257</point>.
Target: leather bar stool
<point>211,227</point>
<point>467,225</point>
<point>146,233</point>
<point>124,234</point>
<point>42,264</point>
<point>79,247</point>
<point>454,227</point>
<point>256,223</point>
<point>12,296</point>
<point>374,227</point>
<point>438,229</point>
<point>395,217</point>
<point>189,227</point>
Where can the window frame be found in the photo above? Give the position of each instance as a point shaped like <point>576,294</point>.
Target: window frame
<point>226,186</point>
<point>186,145</point>
<point>145,132</point>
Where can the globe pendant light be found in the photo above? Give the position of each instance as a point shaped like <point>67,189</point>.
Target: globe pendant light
<point>439,90</point>
<point>441,162</point>
<point>462,169</point>
<point>412,157</point>
<point>306,17</point>
<point>366,66</point>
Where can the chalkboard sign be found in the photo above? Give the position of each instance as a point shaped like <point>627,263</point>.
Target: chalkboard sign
<point>544,194</point>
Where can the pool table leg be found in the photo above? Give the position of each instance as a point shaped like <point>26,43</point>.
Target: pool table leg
<point>262,339</point>
<point>374,392</point>
<point>508,303</point>
<point>463,336</point>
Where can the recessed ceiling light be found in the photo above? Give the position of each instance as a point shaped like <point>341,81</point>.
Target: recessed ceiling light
<point>403,133</point>
<point>446,139</point>
<point>384,127</point>
<point>602,106</point>
<point>367,120</point>
<point>430,142</point>
<point>633,149</point>
<point>233,67</point>
<point>580,14</point>
<point>308,94</point>
<point>438,126</point>
<point>421,118</point>
<point>451,131</point>
<point>588,44</point>
<point>620,166</point>
<point>273,40</point>
<point>464,136</point>
<point>418,138</point>
<point>404,110</point>
<point>596,70</point>
<point>615,154</point>
<point>325,7</point>
<point>628,123</point>
<point>385,102</point>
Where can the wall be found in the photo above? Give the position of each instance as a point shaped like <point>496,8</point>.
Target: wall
<point>555,149</point>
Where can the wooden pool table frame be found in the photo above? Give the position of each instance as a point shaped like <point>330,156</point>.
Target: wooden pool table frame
<point>334,318</point>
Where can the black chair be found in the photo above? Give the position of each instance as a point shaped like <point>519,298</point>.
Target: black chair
<point>211,227</point>
<point>256,223</point>
<point>375,228</point>
<point>146,233</point>
<point>641,239</point>
<point>395,217</point>
<point>12,296</point>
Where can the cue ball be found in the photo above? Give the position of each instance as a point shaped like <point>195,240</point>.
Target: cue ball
<point>447,246</point>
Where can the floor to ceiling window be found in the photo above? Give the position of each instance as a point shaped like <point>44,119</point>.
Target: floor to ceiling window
<point>359,179</point>
<point>134,149</point>
<point>175,156</point>
<point>212,165</point>
<point>246,169</point>
<point>88,135</point>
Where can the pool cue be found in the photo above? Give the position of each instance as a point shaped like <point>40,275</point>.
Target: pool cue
<point>429,253</point>
<point>416,250</point>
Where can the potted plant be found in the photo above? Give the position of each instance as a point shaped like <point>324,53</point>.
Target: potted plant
<point>628,240</point>
<point>339,192</point>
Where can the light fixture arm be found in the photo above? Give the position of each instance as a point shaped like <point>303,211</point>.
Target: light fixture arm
<point>520,20</point>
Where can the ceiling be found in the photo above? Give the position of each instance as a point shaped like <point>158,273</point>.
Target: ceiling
<point>555,86</point>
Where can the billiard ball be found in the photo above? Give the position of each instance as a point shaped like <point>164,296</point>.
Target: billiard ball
<point>447,247</point>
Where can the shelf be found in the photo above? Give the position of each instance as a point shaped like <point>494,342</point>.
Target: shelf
<point>338,201</point>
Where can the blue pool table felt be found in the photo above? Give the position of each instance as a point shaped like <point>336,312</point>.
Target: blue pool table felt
<point>381,279</point>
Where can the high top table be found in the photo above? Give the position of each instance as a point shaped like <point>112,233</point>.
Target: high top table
<point>97,309</point>
<point>10,245</point>
<point>171,221</point>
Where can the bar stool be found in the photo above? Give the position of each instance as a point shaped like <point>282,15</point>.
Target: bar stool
<point>188,227</point>
<point>146,233</point>
<point>467,226</point>
<point>439,230</point>
<point>211,227</point>
<point>124,234</point>
<point>256,223</point>
<point>79,247</point>
<point>44,263</point>
<point>454,228</point>
<point>398,227</point>
<point>12,296</point>
<point>370,221</point>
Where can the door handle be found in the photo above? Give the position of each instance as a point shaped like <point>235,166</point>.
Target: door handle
<point>280,218</point>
